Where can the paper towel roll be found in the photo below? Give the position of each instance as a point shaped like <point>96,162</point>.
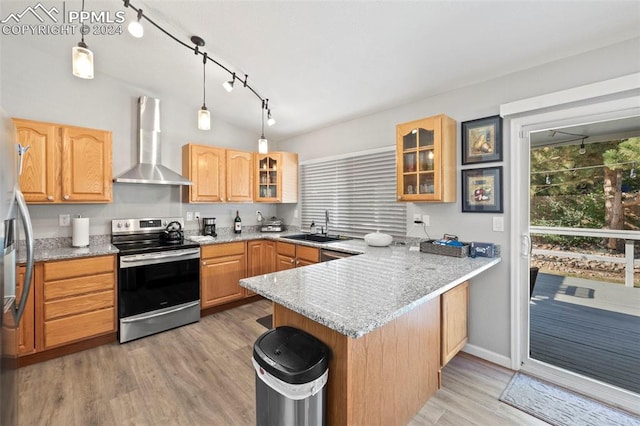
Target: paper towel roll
<point>80,232</point>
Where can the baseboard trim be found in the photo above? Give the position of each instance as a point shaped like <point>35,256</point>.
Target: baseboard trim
<point>487,355</point>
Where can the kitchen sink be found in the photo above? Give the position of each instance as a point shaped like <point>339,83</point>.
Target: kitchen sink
<point>316,238</point>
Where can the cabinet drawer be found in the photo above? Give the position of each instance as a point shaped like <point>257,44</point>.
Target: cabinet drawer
<point>78,327</point>
<point>310,254</point>
<point>76,286</point>
<point>222,249</point>
<point>77,305</point>
<point>286,249</point>
<point>78,267</point>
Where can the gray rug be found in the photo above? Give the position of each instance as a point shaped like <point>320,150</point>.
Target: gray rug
<point>559,406</point>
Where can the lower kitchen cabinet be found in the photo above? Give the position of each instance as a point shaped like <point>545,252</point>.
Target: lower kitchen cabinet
<point>222,268</point>
<point>454,329</point>
<point>294,255</point>
<point>76,300</point>
<point>26,328</point>
<point>261,259</point>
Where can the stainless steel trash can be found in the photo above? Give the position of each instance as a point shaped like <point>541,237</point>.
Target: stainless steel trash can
<point>291,374</point>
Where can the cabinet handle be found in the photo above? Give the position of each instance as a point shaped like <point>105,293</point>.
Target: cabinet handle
<point>50,197</point>
<point>66,197</point>
<point>292,260</point>
<point>297,262</point>
<point>204,263</point>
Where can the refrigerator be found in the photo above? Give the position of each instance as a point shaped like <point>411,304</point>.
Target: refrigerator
<point>15,224</point>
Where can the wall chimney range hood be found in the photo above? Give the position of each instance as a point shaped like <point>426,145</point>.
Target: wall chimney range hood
<point>149,170</point>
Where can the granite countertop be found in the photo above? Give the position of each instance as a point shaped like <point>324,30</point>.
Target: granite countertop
<point>358,294</point>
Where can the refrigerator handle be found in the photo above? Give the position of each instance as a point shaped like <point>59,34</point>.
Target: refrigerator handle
<point>28,232</point>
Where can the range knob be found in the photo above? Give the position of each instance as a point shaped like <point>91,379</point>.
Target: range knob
<point>127,224</point>
<point>119,225</point>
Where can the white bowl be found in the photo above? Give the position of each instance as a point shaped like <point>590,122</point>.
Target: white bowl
<point>378,239</point>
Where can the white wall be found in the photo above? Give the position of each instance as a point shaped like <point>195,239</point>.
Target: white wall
<point>490,309</point>
<point>41,87</point>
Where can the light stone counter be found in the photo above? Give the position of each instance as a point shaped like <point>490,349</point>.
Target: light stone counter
<point>358,294</point>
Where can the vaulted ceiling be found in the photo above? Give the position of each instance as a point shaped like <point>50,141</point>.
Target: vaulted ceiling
<point>322,62</point>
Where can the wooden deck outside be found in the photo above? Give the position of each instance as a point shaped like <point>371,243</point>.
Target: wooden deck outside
<point>588,327</point>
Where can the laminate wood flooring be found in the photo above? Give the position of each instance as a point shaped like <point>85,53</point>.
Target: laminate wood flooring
<point>201,374</point>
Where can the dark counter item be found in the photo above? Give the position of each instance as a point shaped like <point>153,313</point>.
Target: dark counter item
<point>446,250</point>
<point>316,238</point>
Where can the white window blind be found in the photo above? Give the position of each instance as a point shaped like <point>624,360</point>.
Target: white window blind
<point>359,190</point>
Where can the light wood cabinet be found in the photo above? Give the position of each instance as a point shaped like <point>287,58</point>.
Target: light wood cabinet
<point>65,164</point>
<point>426,160</point>
<point>205,166</point>
<point>292,255</point>
<point>75,300</point>
<point>276,176</point>
<point>261,259</point>
<point>222,268</point>
<point>218,174</point>
<point>26,328</point>
<point>454,326</point>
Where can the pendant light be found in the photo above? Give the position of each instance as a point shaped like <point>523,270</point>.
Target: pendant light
<point>135,27</point>
<point>81,56</point>
<point>582,149</point>
<point>204,117</point>
<point>263,144</point>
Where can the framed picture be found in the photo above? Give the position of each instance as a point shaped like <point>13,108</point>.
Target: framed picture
<point>482,190</point>
<point>482,140</point>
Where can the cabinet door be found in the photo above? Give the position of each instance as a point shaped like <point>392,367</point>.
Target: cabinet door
<point>205,166</point>
<point>285,262</point>
<point>426,168</point>
<point>38,181</point>
<point>307,255</point>
<point>86,165</point>
<point>239,176</point>
<point>261,259</point>
<point>220,278</point>
<point>455,305</point>
<point>269,183</point>
<point>26,328</point>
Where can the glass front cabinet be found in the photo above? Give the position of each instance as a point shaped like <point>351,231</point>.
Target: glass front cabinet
<point>426,160</point>
<point>276,177</point>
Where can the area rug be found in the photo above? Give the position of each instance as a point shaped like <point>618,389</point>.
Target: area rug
<point>559,406</point>
<point>266,321</point>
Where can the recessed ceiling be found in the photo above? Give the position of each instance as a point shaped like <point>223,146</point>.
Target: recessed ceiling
<point>322,62</point>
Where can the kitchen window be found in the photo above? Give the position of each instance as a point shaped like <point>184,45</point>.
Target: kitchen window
<point>358,189</point>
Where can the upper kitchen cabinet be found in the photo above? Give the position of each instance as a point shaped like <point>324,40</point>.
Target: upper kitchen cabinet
<point>218,174</point>
<point>65,164</point>
<point>276,177</point>
<point>205,167</point>
<point>426,160</point>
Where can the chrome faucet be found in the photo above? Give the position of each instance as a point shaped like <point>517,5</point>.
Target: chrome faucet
<point>326,222</point>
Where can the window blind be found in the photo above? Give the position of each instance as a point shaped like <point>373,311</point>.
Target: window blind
<point>359,190</point>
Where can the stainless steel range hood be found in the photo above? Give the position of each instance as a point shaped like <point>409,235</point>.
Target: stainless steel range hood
<point>149,170</point>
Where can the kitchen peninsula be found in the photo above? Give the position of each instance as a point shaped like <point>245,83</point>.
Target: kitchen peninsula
<point>381,313</point>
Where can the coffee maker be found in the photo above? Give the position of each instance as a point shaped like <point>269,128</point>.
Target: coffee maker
<point>209,226</point>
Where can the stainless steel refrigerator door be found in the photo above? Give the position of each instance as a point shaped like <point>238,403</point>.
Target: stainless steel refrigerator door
<point>8,331</point>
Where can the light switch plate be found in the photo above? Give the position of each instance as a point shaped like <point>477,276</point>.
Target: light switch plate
<point>64,220</point>
<point>498,224</point>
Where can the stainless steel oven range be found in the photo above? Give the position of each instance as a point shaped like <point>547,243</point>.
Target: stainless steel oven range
<point>158,276</point>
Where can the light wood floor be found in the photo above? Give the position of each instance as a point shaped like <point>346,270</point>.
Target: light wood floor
<point>201,374</point>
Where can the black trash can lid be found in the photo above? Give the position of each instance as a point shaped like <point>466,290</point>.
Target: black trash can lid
<point>291,355</point>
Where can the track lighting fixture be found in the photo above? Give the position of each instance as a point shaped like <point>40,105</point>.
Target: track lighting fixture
<point>82,57</point>
<point>270,120</point>
<point>582,149</point>
<point>228,85</point>
<point>135,27</point>
<point>547,180</point>
<point>632,173</point>
<point>263,144</point>
<point>204,117</point>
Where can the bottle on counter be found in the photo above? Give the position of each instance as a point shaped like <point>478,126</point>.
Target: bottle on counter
<point>237,223</point>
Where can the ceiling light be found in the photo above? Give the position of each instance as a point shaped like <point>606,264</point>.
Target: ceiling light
<point>135,27</point>
<point>263,144</point>
<point>204,117</point>
<point>270,120</point>
<point>632,173</point>
<point>81,56</point>
<point>228,85</point>
<point>582,149</point>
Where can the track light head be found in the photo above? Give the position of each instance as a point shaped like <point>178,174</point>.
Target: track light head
<point>270,120</point>
<point>228,85</point>
<point>582,149</point>
<point>135,27</point>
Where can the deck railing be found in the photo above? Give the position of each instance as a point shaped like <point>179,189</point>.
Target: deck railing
<point>628,236</point>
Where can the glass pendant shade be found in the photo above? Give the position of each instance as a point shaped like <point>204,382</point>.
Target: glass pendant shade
<point>204,118</point>
<point>263,145</point>
<point>82,60</point>
<point>136,29</point>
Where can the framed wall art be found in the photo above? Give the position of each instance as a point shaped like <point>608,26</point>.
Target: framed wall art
<point>482,140</point>
<point>482,190</point>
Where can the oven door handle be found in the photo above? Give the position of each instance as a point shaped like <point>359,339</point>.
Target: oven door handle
<point>181,253</point>
<point>159,314</point>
